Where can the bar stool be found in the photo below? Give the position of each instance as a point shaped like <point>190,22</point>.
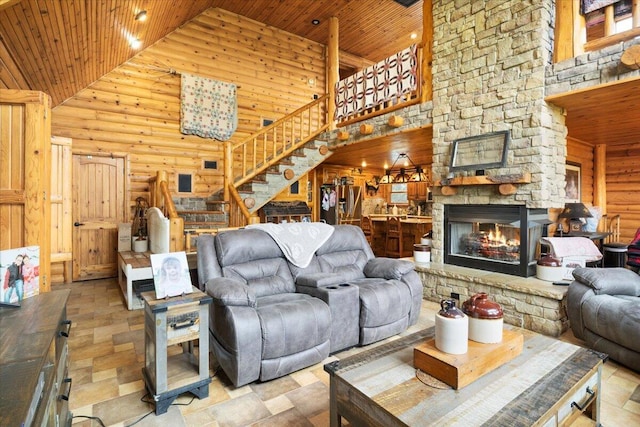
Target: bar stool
<point>614,251</point>
<point>395,246</point>
<point>365,224</point>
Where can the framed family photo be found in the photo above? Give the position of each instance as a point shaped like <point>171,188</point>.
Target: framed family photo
<point>572,183</point>
<point>171,274</point>
<point>19,274</point>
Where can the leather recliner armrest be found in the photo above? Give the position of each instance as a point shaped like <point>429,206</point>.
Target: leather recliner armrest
<point>609,281</point>
<point>230,292</point>
<point>387,268</point>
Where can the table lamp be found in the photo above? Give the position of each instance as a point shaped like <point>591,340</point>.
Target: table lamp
<point>575,211</point>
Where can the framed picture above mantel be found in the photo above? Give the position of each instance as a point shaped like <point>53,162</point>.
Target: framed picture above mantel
<point>572,186</point>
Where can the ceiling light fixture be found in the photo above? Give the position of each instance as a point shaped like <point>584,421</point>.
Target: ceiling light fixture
<point>315,22</point>
<point>135,43</point>
<point>409,173</point>
<point>141,16</point>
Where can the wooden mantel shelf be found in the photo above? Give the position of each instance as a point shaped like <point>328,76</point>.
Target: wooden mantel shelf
<point>506,183</point>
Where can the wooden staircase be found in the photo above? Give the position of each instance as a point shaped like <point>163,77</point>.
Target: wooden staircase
<point>256,170</point>
<point>271,159</point>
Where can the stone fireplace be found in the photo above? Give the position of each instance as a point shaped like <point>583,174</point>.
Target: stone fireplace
<point>500,238</point>
<point>490,60</point>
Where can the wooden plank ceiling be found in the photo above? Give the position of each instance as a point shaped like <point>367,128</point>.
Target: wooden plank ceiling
<point>605,114</point>
<point>62,46</point>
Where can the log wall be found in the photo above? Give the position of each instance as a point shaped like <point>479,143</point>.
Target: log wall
<point>623,180</point>
<point>135,108</point>
<point>582,153</point>
<point>622,177</point>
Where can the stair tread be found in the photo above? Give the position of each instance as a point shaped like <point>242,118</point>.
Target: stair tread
<point>199,212</point>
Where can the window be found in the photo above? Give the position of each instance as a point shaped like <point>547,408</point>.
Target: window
<point>185,183</point>
<point>399,194</point>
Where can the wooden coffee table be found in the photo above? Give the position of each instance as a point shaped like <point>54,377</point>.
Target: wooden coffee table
<point>550,383</point>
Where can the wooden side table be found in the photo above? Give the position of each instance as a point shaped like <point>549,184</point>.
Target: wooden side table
<point>133,267</point>
<point>171,321</point>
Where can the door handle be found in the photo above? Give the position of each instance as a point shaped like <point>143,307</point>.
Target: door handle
<point>77,224</point>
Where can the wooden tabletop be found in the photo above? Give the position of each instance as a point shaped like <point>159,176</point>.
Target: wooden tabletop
<point>516,394</point>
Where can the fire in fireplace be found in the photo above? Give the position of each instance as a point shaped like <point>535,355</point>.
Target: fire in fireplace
<point>500,238</point>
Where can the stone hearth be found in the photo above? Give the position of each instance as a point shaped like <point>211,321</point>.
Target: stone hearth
<point>528,302</point>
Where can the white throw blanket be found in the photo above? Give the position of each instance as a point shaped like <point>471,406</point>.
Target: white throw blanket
<point>581,247</point>
<point>298,240</point>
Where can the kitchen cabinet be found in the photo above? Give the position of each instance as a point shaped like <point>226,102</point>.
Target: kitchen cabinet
<point>417,191</point>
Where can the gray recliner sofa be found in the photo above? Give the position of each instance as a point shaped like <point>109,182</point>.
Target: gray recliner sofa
<point>270,318</point>
<point>603,305</point>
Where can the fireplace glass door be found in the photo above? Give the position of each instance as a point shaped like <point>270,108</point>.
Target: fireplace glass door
<point>501,238</point>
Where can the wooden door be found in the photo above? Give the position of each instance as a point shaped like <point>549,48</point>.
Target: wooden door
<point>25,170</point>
<point>98,208</point>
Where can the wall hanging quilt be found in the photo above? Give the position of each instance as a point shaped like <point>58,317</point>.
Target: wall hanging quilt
<point>208,107</point>
<point>382,82</point>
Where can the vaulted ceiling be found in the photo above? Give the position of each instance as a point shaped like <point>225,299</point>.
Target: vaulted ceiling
<point>62,46</point>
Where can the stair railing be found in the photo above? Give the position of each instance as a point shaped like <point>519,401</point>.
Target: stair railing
<point>239,215</point>
<point>160,197</point>
<point>266,147</point>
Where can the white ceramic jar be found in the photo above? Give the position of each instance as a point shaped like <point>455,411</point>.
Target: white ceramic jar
<point>452,329</point>
<point>421,253</point>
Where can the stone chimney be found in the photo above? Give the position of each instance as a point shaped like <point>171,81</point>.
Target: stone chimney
<point>489,59</point>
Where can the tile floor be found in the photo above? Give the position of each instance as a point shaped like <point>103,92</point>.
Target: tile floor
<point>107,356</point>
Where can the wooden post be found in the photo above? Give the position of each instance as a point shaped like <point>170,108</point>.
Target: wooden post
<point>333,69</point>
<point>37,188</point>
<point>579,30</point>
<point>426,93</point>
<point>158,200</point>
<point>609,21</point>
<point>599,177</point>
<point>228,169</point>
<point>635,13</point>
<point>563,45</point>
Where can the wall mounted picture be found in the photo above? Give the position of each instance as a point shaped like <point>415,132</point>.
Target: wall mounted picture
<point>572,183</point>
<point>19,274</point>
<point>171,274</point>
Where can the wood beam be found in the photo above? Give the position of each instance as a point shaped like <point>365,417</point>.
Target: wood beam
<point>353,61</point>
<point>600,177</point>
<point>609,21</point>
<point>579,29</point>
<point>426,92</point>
<point>563,46</point>
<point>333,69</point>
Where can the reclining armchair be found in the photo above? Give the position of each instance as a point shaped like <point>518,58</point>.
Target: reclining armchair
<point>603,305</point>
<point>260,327</point>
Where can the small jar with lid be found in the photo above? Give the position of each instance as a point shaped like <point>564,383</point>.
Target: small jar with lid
<point>452,329</point>
<point>549,268</point>
<point>485,319</point>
